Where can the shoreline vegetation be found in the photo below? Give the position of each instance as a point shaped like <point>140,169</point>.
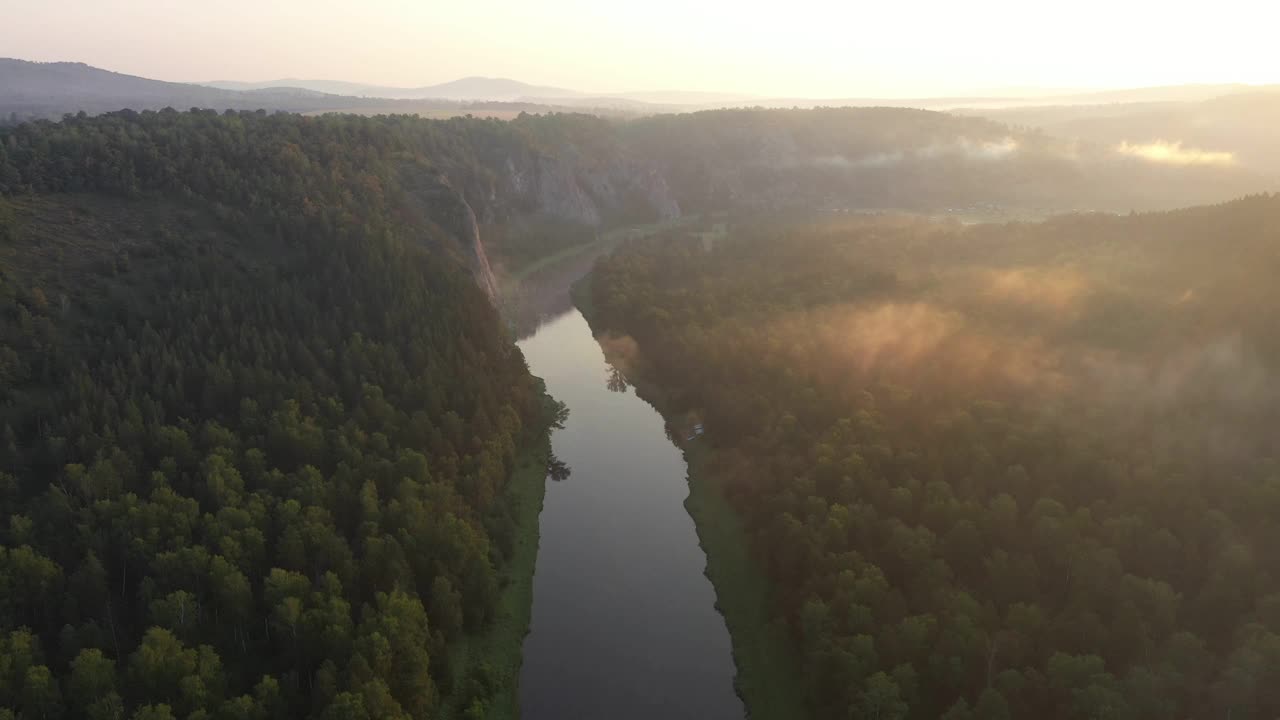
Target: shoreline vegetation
<point>524,285</point>
<point>766,678</point>
<point>496,656</point>
<point>606,240</point>
<point>491,661</point>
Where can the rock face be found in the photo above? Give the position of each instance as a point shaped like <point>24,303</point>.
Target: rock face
<point>443,206</point>
<point>603,186</point>
<point>479,259</point>
<point>659,193</point>
<point>559,194</point>
<point>593,191</point>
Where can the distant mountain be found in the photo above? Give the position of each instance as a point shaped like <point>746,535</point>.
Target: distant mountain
<point>609,103</point>
<point>1010,98</point>
<point>508,90</point>
<point>1104,100</point>
<point>483,88</point>
<point>1007,99</point>
<point>505,90</point>
<point>38,90</point>
<point>48,90</point>
<point>923,103</point>
<point>685,97</point>
<point>331,87</point>
<point>1164,93</point>
<point>468,88</point>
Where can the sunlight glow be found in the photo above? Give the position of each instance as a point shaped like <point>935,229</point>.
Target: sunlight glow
<point>804,48</point>
<point>1173,153</point>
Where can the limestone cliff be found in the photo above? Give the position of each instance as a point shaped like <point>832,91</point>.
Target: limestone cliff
<point>597,186</point>
<point>442,206</point>
<point>572,185</point>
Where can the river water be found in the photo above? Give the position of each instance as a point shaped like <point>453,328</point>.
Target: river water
<point>624,621</point>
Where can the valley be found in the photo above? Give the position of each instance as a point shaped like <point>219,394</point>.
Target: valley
<point>620,606</point>
<point>866,412</point>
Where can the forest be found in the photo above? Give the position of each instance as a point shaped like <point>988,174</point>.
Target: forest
<point>992,471</point>
<point>261,431</point>
<point>257,422</point>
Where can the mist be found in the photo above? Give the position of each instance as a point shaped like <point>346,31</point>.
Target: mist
<point>915,361</point>
<point>1173,153</point>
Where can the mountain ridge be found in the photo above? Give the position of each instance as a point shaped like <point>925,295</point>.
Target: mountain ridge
<point>472,87</point>
<point>32,90</point>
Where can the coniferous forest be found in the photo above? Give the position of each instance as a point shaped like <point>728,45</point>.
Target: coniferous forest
<point>257,422</point>
<point>395,360</point>
<point>262,431</point>
<point>1000,471</point>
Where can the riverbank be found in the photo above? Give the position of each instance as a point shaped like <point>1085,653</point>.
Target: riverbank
<point>539,289</point>
<point>493,658</point>
<point>767,678</point>
<point>605,241</point>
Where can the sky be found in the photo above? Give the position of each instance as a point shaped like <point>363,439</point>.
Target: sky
<point>796,48</point>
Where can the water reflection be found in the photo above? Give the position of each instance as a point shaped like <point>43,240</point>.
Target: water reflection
<point>624,623</point>
<point>617,382</point>
<point>559,414</point>
<point>542,297</point>
<point>557,469</point>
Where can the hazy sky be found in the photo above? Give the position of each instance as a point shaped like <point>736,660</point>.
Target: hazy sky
<point>783,48</point>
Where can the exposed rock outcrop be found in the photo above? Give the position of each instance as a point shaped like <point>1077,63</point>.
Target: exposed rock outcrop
<point>559,193</point>
<point>592,191</point>
<point>595,187</point>
<point>479,259</point>
<point>445,207</point>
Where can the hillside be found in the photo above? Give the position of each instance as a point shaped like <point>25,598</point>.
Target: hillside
<point>1237,125</point>
<point>1112,158</point>
<point>469,88</point>
<point>31,90</point>
<point>257,426</point>
<point>867,158</point>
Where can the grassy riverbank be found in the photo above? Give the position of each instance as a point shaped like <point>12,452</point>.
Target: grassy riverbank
<point>580,294</point>
<point>767,678</point>
<point>490,661</point>
<point>604,241</point>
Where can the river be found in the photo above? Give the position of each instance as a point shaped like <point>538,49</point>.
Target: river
<point>624,621</point>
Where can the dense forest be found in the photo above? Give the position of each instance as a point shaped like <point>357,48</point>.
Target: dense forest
<point>257,422</point>
<point>991,472</point>
<point>259,425</point>
<point>595,171</point>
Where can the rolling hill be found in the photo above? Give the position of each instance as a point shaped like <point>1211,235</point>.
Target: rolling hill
<point>1240,125</point>
<point>36,90</point>
<point>468,88</point>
